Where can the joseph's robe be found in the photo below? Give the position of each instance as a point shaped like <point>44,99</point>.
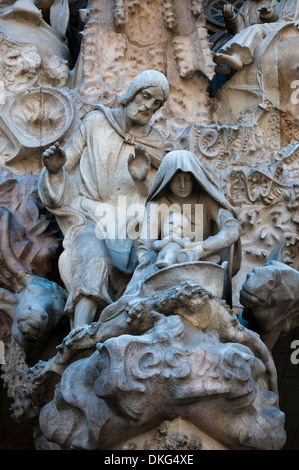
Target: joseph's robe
<point>96,262</point>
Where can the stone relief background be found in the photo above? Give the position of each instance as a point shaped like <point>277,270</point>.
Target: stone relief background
<point>242,126</point>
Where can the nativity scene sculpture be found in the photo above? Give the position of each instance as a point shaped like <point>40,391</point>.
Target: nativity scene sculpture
<point>151,264</point>
<point>78,180</point>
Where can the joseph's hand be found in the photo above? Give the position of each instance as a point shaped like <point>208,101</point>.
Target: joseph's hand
<point>139,164</point>
<point>54,158</point>
<point>266,14</point>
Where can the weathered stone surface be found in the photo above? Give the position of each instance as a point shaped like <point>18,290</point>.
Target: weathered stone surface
<point>270,297</point>
<point>169,371</point>
<point>229,98</point>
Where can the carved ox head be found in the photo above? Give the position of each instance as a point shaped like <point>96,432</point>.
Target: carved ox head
<point>38,304</point>
<point>270,295</point>
<point>36,310</point>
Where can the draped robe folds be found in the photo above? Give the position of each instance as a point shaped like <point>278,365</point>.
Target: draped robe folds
<point>98,257</point>
<point>245,42</point>
<point>217,226</point>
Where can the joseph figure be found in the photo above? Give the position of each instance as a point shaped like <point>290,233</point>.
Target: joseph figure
<point>110,155</point>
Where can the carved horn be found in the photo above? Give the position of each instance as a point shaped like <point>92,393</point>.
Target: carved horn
<point>13,264</point>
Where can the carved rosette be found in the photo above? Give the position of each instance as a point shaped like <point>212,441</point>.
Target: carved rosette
<point>32,119</point>
<point>38,116</point>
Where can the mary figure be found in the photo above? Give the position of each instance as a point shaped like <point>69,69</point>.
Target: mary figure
<point>182,185</point>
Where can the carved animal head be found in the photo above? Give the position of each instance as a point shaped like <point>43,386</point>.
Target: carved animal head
<point>36,310</point>
<point>270,296</point>
<point>38,304</point>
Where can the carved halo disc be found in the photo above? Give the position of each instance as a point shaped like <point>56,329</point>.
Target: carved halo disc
<point>38,116</point>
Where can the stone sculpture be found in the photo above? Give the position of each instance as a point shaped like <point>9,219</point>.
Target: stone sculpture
<point>169,248</point>
<point>178,270</point>
<point>28,248</point>
<point>35,311</point>
<point>182,184</point>
<point>259,23</point>
<point>178,373</point>
<point>33,54</point>
<point>120,168</point>
<point>167,36</point>
<point>30,22</point>
<point>267,46</point>
<point>269,296</point>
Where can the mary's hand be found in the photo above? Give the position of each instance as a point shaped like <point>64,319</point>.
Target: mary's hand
<point>195,251</point>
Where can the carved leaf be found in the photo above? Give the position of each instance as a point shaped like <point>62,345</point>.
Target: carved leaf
<point>31,232</point>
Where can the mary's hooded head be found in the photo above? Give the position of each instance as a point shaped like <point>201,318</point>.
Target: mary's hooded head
<point>183,160</point>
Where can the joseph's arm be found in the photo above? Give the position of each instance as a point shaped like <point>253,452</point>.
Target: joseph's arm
<point>51,188</point>
<point>53,185</point>
<point>76,144</point>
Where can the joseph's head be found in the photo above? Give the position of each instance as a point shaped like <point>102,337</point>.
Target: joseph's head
<point>147,92</point>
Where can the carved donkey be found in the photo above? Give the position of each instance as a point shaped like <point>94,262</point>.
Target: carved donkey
<point>270,295</point>
<point>38,305</point>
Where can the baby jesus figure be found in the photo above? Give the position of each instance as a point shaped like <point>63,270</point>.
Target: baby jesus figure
<point>170,247</point>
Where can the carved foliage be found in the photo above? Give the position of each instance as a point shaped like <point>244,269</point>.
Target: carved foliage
<point>28,231</point>
<point>193,52</point>
<point>260,181</point>
<point>20,64</point>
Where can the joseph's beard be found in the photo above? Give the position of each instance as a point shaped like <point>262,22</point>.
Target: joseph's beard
<point>142,116</point>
